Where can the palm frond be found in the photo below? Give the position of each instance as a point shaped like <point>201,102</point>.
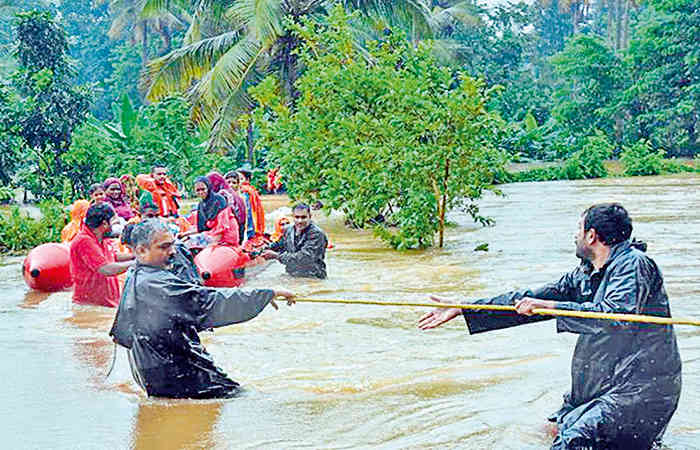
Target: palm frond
<point>462,12</point>
<point>234,66</point>
<point>223,131</point>
<point>175,71</point>
<point>261,17</point>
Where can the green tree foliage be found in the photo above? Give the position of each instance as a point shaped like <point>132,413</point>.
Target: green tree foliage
<point>46,107</point>
<point>158,133</point>
<point>664,101</point>
<point>86,22</point>
<point>590,75</point>
<point>392,139</point>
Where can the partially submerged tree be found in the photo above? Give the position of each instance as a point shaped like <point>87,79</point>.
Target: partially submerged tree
<point>394,140</point>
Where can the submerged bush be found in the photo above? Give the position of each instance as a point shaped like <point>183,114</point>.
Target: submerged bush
<point>642,159</point>
<point>20,231</point>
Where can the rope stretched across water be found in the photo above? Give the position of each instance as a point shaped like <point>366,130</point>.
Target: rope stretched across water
<point>546,312</point>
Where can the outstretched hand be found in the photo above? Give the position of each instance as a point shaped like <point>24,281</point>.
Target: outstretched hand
<point>438,316</point>
<point>288,296</point>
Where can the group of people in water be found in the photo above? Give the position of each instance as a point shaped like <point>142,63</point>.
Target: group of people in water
<point>626,376</point>
<point>229,212</point>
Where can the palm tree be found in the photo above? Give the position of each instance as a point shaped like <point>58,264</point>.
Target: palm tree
<point>230,45</point>
<point>136,18</point>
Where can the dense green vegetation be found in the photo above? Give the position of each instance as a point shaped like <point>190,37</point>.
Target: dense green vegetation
<point>113,86</point>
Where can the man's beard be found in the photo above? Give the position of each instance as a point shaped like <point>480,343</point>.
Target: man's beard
<point>583,253</point>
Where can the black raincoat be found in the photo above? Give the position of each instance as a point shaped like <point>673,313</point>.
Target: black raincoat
<point>303,254</point>
<point>158,319</point>
<point>182,264</point>
<point>625,376</point>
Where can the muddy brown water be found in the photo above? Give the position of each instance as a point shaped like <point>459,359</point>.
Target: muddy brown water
<point>346,376</point>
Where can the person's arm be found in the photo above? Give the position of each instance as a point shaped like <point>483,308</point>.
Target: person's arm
<point>218,307</point>
<point>480,321</point>
<point>120,257</point>
<point>146,182</point>
<point>115,268</point>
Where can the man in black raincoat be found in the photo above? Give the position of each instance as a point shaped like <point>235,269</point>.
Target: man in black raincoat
<point>626,376</point>
<point>302,248</point>
<point>160,315</point>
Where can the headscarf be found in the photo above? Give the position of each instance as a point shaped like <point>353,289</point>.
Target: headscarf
<point>210,206</point>
<point>122,204</point>
<point>77,214</point>
<point>217,181</point>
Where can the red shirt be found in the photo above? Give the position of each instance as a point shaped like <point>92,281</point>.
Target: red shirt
<point>87,255</point>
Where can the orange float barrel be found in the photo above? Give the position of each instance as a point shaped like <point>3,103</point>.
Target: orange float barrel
<point>222,266</point>
<point>47,268</point>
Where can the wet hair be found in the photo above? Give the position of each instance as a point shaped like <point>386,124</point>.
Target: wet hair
<point>611,222</point>
<point>98,213</point>
<point>302,207</point>
<point>144,232</point>
<point>94,188</point>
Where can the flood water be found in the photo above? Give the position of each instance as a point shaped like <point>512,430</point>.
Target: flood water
<point>350,376</point>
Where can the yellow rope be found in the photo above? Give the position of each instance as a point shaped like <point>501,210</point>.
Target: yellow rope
<point>547,312</point>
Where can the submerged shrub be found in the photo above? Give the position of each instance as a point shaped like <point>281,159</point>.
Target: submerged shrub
<point>20,231</point>
<point>642,159</point>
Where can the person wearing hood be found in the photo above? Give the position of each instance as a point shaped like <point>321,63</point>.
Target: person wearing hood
<point>160,315</point>
<point>117,197</point>
<point>220,185</point>
<point>77,214</point>
<point>214,217</point>
<point>625,376</point>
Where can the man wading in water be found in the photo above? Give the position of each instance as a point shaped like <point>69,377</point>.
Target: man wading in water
<point>160,315</point>
<point>626,376</point>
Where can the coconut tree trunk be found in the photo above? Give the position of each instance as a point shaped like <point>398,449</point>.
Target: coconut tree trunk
<point>144,43</point>
<point>611,6</point>
<point>625,24</point>
<point>250,143</point>
<point>618,25</point>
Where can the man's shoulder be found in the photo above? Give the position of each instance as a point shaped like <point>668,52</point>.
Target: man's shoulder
<point>316,229</point>
<point>81,240</point>
<point>633,259</point>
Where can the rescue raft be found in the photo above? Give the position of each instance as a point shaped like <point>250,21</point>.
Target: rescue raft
<point>47,268</point>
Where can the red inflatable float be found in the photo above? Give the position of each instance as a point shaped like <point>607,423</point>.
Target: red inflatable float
<point>47,268</point>
<point>225,266</point>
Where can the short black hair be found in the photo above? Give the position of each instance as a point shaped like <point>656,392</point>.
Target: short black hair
<point>95,187</point>
<point>126,234</point>
<point>98,213</point>
<point>302,206</point>
<point>611,222</point>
